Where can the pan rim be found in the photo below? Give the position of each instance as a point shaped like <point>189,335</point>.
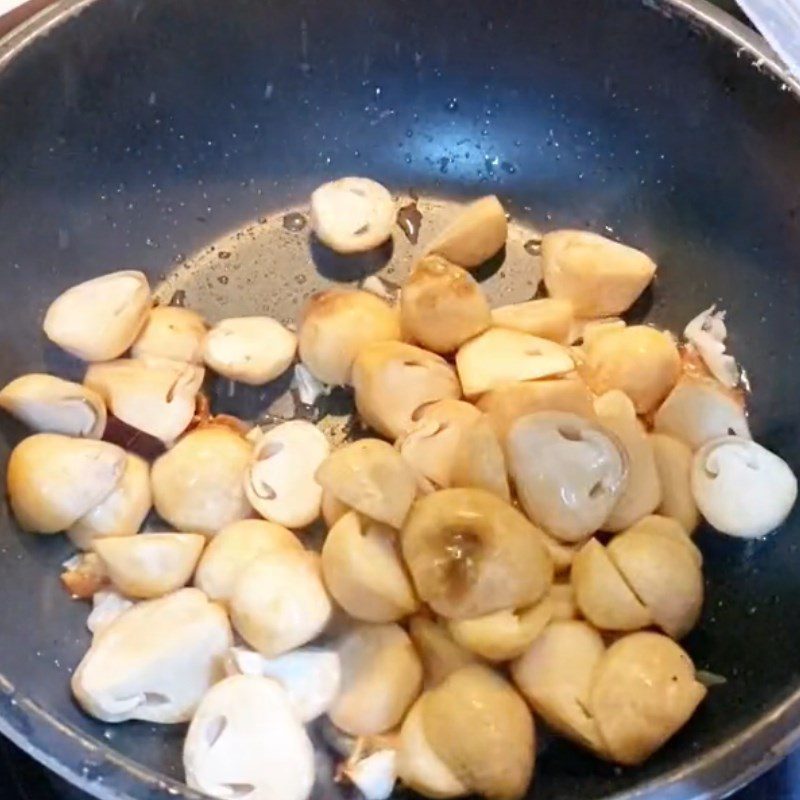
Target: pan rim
<point>103,772</point>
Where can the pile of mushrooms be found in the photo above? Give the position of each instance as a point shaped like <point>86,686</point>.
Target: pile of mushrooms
<point>510,545</point>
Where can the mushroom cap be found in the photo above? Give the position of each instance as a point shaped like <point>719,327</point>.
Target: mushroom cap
<point>280,482</point>
<point>393,380</point>
<point>253,350</point>
<point>674,465</point>
<point>198,484</point>
<point>547,318</point>
<point>442,305</point>
<point>332,508</point>
<point>122,512</point>
<point>478,461</point>
<point>499,356</point>
<point>441,655</point>
<point>155,395</point>
<point>172,332</point>
<point>336,324</point>
<point>151,564</point>
<point>741,488</point>
<point>54,480</point>
<point>155,661</point>
<point>245,738</point>
<point>352,215</point>
<point>99,319</point>
<point>569,472</point>
<point>51,405</point>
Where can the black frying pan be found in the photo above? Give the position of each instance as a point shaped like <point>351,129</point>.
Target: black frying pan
<point>134,132</point>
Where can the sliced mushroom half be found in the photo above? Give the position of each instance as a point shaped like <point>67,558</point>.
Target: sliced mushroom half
<point>547,318</point>
<point>172,332</point>
<point>478,461</point>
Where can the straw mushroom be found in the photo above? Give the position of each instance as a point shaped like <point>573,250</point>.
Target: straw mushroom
<point>245,741</point>
<point>442,306</point>
<point>52,405</point>
<point>441,655</point>
<point>336,324</point>
<point>393,380</point>
<point>569,472</point>
<point>155,661</point>
<point>601,278</point>
<point>198,484</point>
<point>107,605</point>
<point>99,319</point>
<point>741,488</point>
<point>253,350</point>
<point>54,480</point>
<point>547,318</point>
<point>352,215</point>
<point>332,509</point>
<point>478,461</point>
<point>172,332</point>
<point>154,395</point>
<point>674,465</point>
<point>280,482</point>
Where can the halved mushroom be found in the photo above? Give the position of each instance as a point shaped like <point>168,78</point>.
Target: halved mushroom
<point>393,380</point>
<point>700,409</point>
<point>352,215</point>
<point>54,480</point>
<point>641,361</point>
<point>363,571</point>
<point>569,472</point>
<point>370,476</point>
<point>150,564</point>
<point>336,324</point>
<point>279,602</point>
<point>674,465</point>
<point>381,678</point>
<point>233,549</point>
<point>547,318</point>
<point>431,444</point>
<point>51,405</point>
<point>99,319</point>
<point>656,525</point>
<point>332,508</point>
<point>496,759</point>
<point>107,605</point>
<point>478,461</point>
<point>198,484</point>
<point>707,334</point>
<point>642,493</point>
<point>587,330</point>
<point>505,405</point>
<point>245,741</point>
<point>555,676</point>
<point>741,488</point>
<point>475,235</point>
<point>442,306</point>
<point>172,332</point>
<point>311,676</point>
<point>562,598</point>
<point>562,554</point>
<point>503,635</point>
<point>441,655</point>
<point>470,554</point>
<point>280,482</point>
<point>601,278</point>
<point>122,512</point>
<point>252,350</point>
<point>644,690</point>
<point>155,395</point>
<point>156,661</point>
<point>501,356</point>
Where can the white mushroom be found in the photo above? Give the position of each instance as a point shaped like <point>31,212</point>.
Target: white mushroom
<point>352,215</point>
<point>107,605</point>
<point>51,405</point>
<point>150,564</point>
<point>700,409</point>
<point>280,482</point>
<point>155,395</point>
<point>122,512</point>
<point>707,333</point>
<point>99,319</point>
<point>741,488</point>
<point>501,356</point>
<point>569,472</point>
<point>601,278</point>
<point>547,318</point>
<point>198,484</point>
<point>172,332</point>
<point>475,235</point>
<point>244,741</point>
<point>252,350</point>
<point>374,775</point>
<point>311,676</point>
<point>279,602</point>
<point>155,661</point>
<point>674,465</point>
<point>55,480</point>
